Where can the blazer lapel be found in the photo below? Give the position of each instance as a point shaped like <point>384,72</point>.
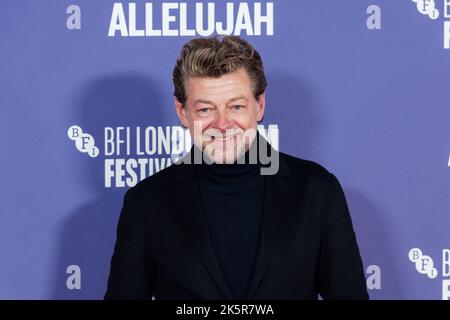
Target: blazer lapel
<point>277,198</point>
<point>277,195</point>
<point>188,200</point>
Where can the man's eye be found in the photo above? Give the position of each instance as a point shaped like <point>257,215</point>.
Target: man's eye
<point>203,110</point>
<point>238,107</point>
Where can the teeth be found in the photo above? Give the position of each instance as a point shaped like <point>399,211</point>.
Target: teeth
<point>219,138</point>
<point>223,139</point>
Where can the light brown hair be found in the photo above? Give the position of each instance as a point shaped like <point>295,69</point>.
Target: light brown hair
<point>212,57</point>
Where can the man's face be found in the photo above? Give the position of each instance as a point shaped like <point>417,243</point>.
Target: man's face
<point>221,114</point>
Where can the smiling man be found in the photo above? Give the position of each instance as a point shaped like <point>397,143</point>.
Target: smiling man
<point>234,218</point>
<point>230,111</point>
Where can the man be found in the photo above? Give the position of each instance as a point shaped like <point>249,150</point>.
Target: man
<point>220,228</point>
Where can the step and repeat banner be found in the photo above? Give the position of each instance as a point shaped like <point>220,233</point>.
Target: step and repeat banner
<point>86,111</point>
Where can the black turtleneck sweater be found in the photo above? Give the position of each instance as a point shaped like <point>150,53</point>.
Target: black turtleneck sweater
<point>232,198</point>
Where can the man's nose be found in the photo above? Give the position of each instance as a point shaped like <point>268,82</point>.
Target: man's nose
<point>222,121</point>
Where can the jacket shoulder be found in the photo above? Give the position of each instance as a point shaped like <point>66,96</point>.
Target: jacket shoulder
<point>307,169</point>
<point>154,184</point>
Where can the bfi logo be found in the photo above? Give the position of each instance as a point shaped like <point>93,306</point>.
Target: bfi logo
<point>425,265</point>
<point>84,142</point>
<point>429,8</point>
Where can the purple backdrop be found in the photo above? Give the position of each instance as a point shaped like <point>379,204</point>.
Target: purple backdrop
<point>371,104</point>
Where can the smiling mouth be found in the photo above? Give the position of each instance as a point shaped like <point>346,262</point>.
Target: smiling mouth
<point>220,139</point>
<point>225,138</point>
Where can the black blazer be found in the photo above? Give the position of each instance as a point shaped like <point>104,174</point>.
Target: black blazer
<point>307,243</point>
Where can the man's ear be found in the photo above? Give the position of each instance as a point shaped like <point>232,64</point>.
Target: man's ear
<point>261,106</point>
<point>181,112</point>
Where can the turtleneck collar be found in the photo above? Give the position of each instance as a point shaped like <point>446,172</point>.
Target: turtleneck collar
<point>236,175</point>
